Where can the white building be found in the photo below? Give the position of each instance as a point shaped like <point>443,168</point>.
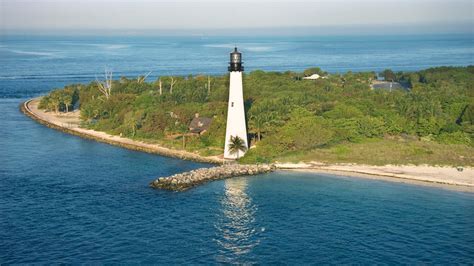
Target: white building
<point>313,77</point>
<point>236,125</point>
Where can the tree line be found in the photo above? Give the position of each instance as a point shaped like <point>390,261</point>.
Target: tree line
<point>284,112</point>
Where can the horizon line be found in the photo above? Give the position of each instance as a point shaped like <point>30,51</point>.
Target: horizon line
<point>438,28</point>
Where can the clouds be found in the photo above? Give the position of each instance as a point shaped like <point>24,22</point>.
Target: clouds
<point>213,14</point>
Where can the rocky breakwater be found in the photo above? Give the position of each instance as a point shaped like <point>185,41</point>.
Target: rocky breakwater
<point>186,180</point>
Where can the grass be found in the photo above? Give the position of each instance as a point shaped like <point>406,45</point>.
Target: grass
<point>384,151</point>
<point>369,151</point>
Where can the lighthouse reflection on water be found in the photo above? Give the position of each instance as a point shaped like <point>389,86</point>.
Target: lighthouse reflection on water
<point>236,227</point>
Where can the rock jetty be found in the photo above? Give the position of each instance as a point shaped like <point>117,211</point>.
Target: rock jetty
<point>186,180</point>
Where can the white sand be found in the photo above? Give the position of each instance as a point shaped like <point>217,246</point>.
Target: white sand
<point>434,175</point>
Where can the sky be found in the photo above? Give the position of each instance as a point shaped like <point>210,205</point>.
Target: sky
<point>227,17</point>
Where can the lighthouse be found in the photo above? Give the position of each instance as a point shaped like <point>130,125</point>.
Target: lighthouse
<point>236,126</point>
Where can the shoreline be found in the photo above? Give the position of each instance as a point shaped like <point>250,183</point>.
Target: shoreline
<point>448,177</point>
<point>70,126</point>
<point>425,175</point>
<point>391,179</point>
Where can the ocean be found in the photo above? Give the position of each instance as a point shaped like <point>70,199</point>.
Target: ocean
<point>64,199</point>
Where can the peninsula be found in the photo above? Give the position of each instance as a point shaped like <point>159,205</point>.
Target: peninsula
<point>338,122</point>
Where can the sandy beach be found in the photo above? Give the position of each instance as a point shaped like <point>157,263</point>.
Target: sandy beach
<point>445,176</point>
<point>438,176</point>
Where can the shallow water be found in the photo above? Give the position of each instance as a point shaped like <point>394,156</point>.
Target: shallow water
<point>64,199</point>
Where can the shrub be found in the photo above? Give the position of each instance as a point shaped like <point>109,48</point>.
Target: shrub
<point>457,137</point>
<point>343,111</point>
<point>371,127</point>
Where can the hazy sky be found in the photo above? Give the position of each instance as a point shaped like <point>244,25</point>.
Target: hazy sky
<point>128,15</point>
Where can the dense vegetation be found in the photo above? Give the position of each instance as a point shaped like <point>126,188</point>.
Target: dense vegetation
<point>289,117</point>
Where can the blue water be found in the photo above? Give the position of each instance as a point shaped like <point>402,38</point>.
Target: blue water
<point>64,199</point>
<point>31,65</point>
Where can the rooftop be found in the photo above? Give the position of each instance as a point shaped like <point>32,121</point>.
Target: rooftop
<point>200,124</point>
<point>387,85</point>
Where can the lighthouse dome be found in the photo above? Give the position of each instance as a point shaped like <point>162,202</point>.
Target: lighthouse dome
<point>235,63</point>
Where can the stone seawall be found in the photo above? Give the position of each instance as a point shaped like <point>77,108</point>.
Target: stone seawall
<point>186,180</point>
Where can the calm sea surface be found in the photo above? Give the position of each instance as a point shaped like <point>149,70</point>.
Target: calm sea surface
<point>64,199</point>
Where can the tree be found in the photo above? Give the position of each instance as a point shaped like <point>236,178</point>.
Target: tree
<point>44,102</point>
<point>67,99</point>
<point>124,80</point>
<point>259,121</point>
<point>183,129</point>
<point>141,79</point>
<point>160,84</point>
<point>237,144</point>
<point>55,101</point>
<point>304,131</point>
<point>54,104</point>
<point>132,121</point>
<point>313,70</point>
<point>173,81</point>
<point>208,85</point>
<point>343,111</point>
<point>105,87</point>
<point>389,75</point>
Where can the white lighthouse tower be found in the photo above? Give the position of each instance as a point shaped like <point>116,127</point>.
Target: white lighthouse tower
<point>236,126</point>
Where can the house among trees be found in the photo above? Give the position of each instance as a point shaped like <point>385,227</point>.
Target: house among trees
<point>199,125</point>
<point>387,80</point>
<point>387,85</point>
<point>312,77</point>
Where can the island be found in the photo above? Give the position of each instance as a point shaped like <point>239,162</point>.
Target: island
<point>423,130</point>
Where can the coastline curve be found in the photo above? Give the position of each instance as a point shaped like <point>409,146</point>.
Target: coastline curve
<point>116,140</point>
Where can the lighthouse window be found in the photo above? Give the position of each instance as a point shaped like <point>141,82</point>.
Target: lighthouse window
<point>232,104</point>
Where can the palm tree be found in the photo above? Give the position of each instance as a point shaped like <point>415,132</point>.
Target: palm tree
<point>55,104</point>
<point>237,144</point>
<point>260,121</point>
<point>257,122</point>
<point>133,122</point>
<point>67,99</point>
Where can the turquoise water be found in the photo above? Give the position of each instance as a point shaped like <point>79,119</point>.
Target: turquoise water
<point>64,199</point>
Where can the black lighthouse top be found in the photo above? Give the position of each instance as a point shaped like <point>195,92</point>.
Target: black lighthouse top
<point>235,63</point>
